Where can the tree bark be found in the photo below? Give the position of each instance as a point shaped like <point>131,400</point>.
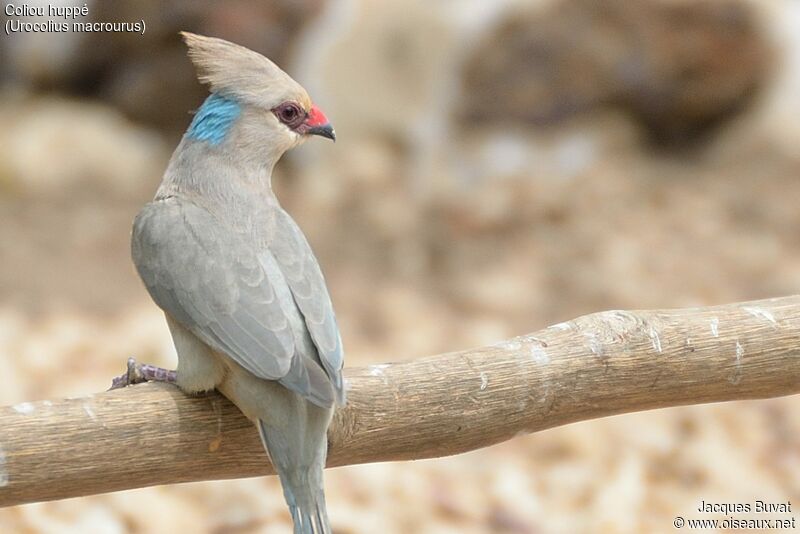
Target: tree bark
<point>595,366</point>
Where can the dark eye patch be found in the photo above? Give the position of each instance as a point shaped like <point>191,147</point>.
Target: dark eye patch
<point>290,114</point>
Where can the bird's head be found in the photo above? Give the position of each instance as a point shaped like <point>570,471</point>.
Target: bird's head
<point>253,102</point>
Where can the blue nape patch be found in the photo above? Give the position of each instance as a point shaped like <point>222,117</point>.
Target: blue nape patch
<point>213,120</point>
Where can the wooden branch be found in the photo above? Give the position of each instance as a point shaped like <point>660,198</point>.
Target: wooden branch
<point>595,366</point>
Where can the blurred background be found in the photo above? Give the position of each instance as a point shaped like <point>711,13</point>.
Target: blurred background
<point>500,166</point>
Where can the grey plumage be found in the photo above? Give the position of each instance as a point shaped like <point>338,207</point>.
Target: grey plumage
<point>244,296</point>
<point>240,300</point>
<point>235,70</point>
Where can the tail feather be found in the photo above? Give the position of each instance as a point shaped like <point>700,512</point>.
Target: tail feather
<point>302,484</point>
<point>311,519</point>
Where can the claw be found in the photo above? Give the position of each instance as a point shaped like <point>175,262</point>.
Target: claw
<point>137,373</point>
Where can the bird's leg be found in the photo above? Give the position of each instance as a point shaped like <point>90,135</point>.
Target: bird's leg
<point>142,372</point>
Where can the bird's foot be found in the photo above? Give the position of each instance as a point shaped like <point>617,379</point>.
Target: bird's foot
<point>142,372</point>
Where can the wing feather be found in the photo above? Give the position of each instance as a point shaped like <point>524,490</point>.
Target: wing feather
<point>302,272</point>
<point>210,281</point>
<point>243,303</point>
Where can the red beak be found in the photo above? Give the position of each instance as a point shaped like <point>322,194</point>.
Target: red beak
<point>317,124</point>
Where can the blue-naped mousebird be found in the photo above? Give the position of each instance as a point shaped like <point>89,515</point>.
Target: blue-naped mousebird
<point>242,293</point>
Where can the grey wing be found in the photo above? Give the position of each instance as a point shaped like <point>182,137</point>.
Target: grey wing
<point>213,283</point>
<point>302,272</point>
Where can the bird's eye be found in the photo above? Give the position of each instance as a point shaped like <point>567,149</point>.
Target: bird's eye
<point>290,114</point>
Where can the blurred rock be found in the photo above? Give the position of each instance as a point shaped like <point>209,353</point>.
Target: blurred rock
<point>51,144</point>
<point>679,68</point>
<point>72,176</point>
<point>383,72</point>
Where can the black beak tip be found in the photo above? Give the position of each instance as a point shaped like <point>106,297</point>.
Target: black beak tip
<point>325,130</point>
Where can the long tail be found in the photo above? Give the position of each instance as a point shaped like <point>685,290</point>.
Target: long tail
<point>300,472</point>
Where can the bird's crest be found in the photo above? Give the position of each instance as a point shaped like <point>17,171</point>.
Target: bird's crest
<point>235,71</point>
